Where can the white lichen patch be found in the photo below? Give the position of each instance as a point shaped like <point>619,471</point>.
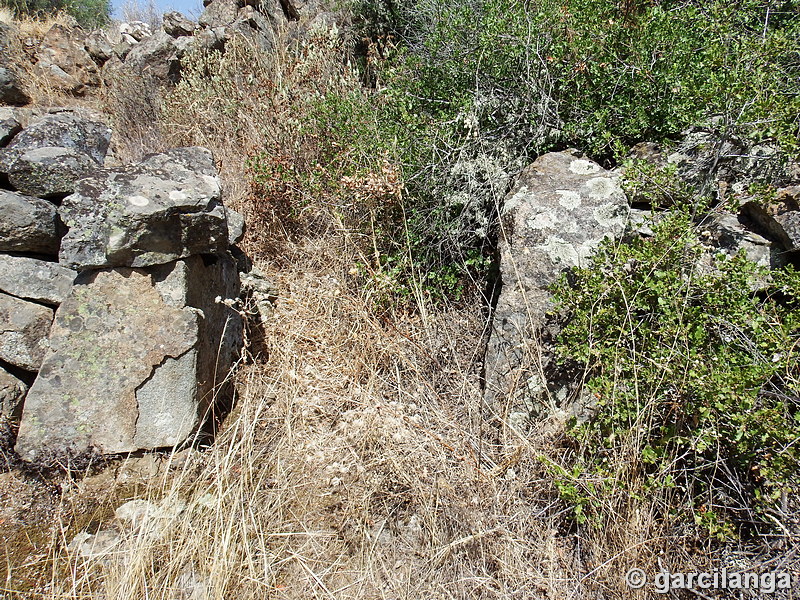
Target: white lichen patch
<point>581,166</point>
<point>602,187</point>
<point>569,199</point>
<point>138,201</point>
<point>177,195</point>
<point>541,220</point>
<point>516,200</point>
<point>611,216</point>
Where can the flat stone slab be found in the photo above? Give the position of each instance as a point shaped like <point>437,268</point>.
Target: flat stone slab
<point>108,336</point>
<point>560,209</point>
<point>23,332</point>
<point>34,279</point>
<point>166,208</point>
<point>28,224</point>
<point>136,359</point>
<point>48,172</point>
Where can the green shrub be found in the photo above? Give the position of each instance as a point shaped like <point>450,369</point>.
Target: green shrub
<point>695,374</point>
<point>473,90</point>
<point>89,13</point>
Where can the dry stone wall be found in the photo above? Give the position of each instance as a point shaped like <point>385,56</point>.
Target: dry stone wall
<point>117,287</point>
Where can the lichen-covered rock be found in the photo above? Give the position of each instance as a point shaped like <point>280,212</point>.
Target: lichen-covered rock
<point>726,234</point>
<point>165,208</point>
<point>99,46</point>
<point>223,19</point>
<point>12,393</point>
<point>23,330</point>
<point>27,224</point>
<point>45,172</point>
<point>65,129</point>
<point>64,61</point>
<point>134,360</point>
<point>558,212</point>
<point>220,13</point>
<point>136,30</point>
<point>33,279</point>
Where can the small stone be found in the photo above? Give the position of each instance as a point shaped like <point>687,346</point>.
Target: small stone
<point>28,224</point>
<point>24,327</point>
<point>12,393</point>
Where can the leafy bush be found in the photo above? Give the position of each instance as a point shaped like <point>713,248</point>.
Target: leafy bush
<point>696,375</point>
<point>473,90</point>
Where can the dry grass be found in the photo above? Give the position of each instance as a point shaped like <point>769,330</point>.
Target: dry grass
<point>356,465</point>
<point>28,33</point>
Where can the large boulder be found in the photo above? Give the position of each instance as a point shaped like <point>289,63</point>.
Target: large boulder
<point>223,19</point>
<point>12,393</point>
<point>64,61</point>
<point>33,279</point>
<point>220,13</point>
<point>779,220</point>
<point>24,327</point>
<point>46,172</point>
<point>162,209</point>
<point>560,209</point>
<point>27,224</point>
<point>99,46</point>
<point>136,360</point>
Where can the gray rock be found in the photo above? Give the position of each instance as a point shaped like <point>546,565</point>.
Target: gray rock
<point>159,56</point>
<point>210,39</point>
<point>165,208</point>
<point>254,26</point>
<point>27,224</point>
<point>12,393</point>
<point>46,172</point>
<point>136,360</point>
<point>725,233</point>
<point>176,25</point>
<point>62,58</point>
<point>122,49</point>
<point>11,87</point>
<point>99,46</point>
<point>220,13</point>
<point>65,129</point>
<point>236,226</point>
<point>137,30</point>
<point>556,215</point>
<point>23,330</point>
<point>261,290</point>
<point>9,126</point>
<point>781,223</point>
<point>34,279</point>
